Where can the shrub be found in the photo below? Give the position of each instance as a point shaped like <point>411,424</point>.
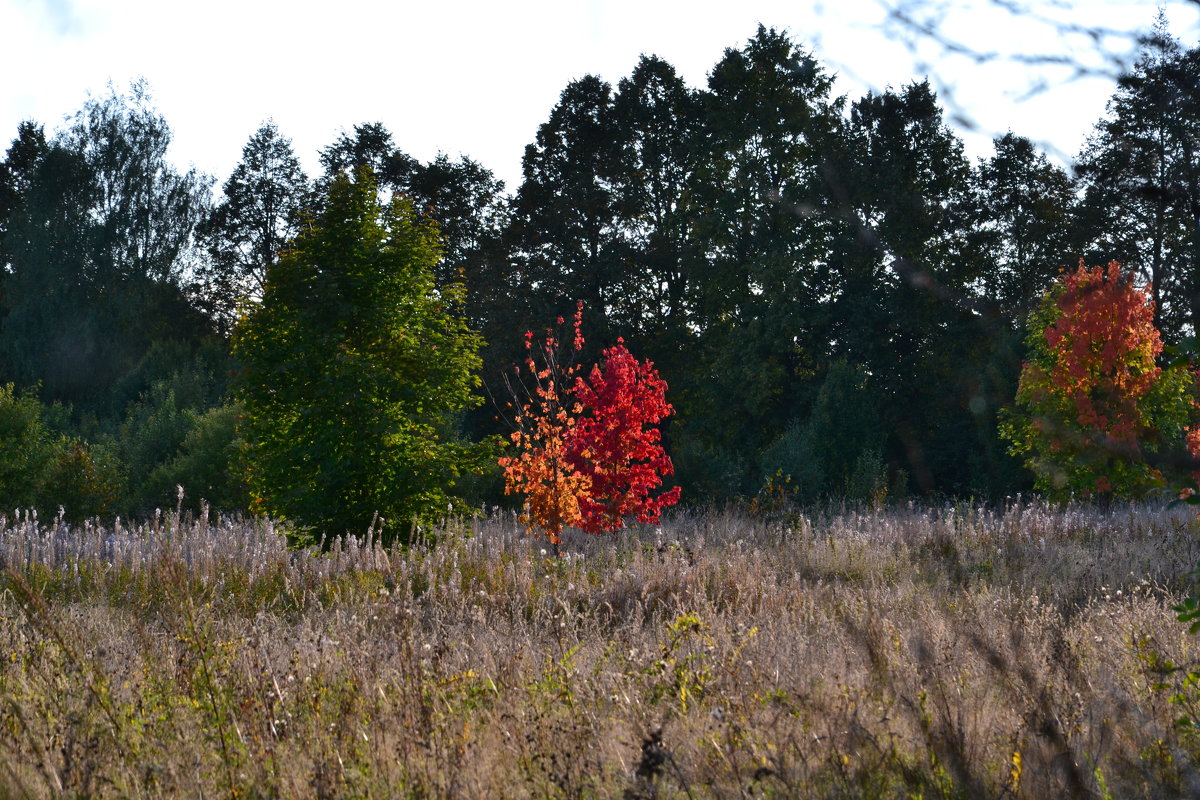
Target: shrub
<point>832,451</point>
<point>208,465</point>
<point>27,450</point>
<point>84,480</point>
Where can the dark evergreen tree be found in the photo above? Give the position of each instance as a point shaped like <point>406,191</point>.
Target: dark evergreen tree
<point>907,265</point>
<point>372,146</point>
<point>1026,207</point>
<point>467,202</point>
<point>769,118</point>
<point>821,455</point>
<point>16,172</point>
<point>564,233</point>
<point>758,195</point>
<point>262,208</point>
<point>1141,174</point>
<point>462,196</point>
<point>658,128</point>
<point>51,331</point>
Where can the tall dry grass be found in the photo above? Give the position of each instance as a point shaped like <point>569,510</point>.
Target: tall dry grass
<point>948,652</point>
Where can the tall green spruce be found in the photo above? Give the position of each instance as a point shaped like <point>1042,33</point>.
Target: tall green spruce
<point>353,368</point>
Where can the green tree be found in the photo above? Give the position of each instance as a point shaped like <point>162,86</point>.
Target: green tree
<point>154,430</point>
<point>85,480</point>
<point>565,231</point>
<point>100,247</point>
<point>41,469</point>
<point>208,464</point>
<point>462,196</point>
<point>27,449</point>
<point>904,268</point>
<point>16,172</point>
<point>842,431</point>
<point>757,194</point>
<point>353,368</point>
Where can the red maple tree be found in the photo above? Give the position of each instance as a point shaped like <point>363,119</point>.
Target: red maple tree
<point>544,426</point>
<point>589,451</point>
<point>1104,345</point>
<point>1093,404</point>
<point>617,443</point>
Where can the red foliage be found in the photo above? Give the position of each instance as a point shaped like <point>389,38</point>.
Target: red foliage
<point>593,459</point>
<point>618,445</point>
<point>1104,346</point>
<point>1192,443</point>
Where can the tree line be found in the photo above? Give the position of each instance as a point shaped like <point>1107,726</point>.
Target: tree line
<point>836,295</point>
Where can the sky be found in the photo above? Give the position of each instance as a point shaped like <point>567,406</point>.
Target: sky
<point>477,77</point>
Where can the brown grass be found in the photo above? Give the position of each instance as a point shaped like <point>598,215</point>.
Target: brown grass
<point>952,652</point>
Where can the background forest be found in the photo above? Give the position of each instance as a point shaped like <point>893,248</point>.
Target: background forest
<point>836,296</point>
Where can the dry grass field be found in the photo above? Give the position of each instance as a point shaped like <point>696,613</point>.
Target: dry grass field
<point>911,653</point>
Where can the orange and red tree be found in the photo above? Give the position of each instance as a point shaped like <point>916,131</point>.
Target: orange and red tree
<point>1093,405</point>
<point>589,451</point>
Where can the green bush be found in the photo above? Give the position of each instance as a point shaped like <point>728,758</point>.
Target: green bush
<point>84,480</point>
<point>27,449</point>
<point>209,463</point>
<point>793,457</point>
<point>836,451</point>
<point>151,435</point>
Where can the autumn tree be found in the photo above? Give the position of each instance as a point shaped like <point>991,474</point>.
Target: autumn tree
<point>1093,407</point>
<point>616,443</point>
<point>588,448</point>
<point>354,365</point>
<point>544,424</point>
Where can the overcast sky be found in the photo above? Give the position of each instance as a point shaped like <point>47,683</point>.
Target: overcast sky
<point>477,77</point>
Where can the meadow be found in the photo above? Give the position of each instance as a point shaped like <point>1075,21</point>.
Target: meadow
<point>910,652</point>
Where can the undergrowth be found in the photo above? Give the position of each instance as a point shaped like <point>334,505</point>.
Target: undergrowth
<point>955,652</point>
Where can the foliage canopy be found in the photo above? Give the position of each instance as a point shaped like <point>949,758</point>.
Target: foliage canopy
<point>352,369</point>
<point>1093,406</point>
